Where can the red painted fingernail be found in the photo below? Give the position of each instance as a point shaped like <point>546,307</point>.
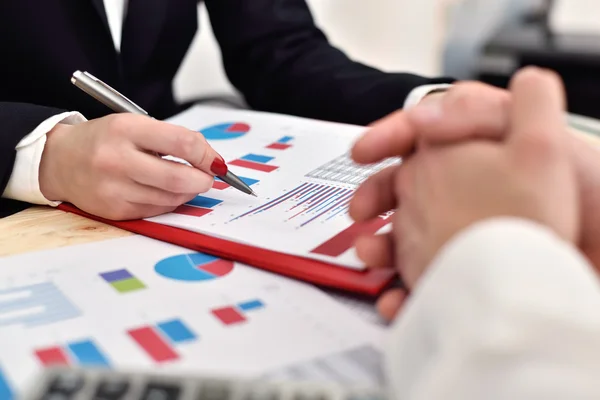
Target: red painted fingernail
<point>218,167</point>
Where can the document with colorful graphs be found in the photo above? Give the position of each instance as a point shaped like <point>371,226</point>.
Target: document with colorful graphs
<point>302,173</point>
<point>139,303</point>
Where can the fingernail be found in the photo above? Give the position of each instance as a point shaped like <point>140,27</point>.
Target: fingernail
<point>218,166</point>
<point>428,111</point>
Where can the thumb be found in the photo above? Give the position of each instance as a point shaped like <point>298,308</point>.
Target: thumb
<point>537,116</point>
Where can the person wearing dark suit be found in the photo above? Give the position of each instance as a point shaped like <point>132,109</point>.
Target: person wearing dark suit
<point>58,144</point>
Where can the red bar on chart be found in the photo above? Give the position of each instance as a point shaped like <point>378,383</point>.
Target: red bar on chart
<point>52,356</point>
<point>228,315</point>
<point>253,165</point>
<point>192,211</point>
<point>219,185</point>
<point>345,240</point>
<point>154,345</point>
<point>279,146</point>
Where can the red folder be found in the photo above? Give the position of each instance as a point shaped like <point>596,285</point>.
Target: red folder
<point>369,282</point>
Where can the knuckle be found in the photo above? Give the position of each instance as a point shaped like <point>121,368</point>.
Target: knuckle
<point>105,159</point>
<point>186,142</point>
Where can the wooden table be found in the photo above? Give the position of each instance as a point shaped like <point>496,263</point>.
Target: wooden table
<point>42,228</point>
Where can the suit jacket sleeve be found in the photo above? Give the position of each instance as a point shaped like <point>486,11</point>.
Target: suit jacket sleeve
<point>275,55</point>
<point>17,120</point>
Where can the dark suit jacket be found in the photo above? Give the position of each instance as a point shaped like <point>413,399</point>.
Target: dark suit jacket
<point>272,53</point>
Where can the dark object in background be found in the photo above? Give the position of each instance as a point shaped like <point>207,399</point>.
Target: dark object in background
<point>576,58</point>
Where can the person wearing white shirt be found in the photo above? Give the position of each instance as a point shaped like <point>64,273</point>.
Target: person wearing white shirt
<point>272,52</point>
<point>495,239</point>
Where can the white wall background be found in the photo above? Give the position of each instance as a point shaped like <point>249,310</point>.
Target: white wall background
<point>394,35</point>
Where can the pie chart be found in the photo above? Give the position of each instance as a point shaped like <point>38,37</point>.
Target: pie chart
<point>226,131</point>
<point>193,267</point>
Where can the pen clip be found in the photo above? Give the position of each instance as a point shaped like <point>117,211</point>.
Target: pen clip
<point>77,75</point>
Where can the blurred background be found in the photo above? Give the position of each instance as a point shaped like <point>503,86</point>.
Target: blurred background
<point>466,39</point>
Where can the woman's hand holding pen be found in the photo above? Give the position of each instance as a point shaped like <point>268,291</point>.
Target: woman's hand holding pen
<point>107,167</point>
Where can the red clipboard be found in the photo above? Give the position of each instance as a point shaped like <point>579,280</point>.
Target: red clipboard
<point>369,282</point>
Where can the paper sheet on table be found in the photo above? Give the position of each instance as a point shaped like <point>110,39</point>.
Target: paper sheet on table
<point>139,303</point>
<point>302,174</point>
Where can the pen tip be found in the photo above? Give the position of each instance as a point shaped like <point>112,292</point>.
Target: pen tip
<point>253,194</point>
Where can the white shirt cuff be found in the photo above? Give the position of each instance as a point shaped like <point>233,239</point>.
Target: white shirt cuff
<point>507,310</point>
<point>24,184</point>
<point>418,93</point>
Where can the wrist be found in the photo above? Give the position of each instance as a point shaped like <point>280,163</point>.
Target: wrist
<point>50,175</point>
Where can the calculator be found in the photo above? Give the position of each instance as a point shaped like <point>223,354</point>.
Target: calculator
<point>73,383</point>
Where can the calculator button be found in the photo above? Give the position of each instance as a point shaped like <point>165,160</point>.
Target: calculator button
<point>161,392</point>
<point>67,383</point>
<point>213,391</point>
<point>57,396</point>
<point>262,395</point>
<point>111,390</point>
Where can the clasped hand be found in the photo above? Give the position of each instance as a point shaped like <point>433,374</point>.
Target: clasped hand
<point>473,154</point>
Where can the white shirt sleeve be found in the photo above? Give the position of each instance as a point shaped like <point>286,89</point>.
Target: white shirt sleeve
<point>24,182</point>
<point>419,93</point>
<point>507,311</point>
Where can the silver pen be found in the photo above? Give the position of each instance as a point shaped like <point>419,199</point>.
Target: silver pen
<point>121,104</point>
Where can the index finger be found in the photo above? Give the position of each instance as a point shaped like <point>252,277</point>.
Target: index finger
<point>177,141</point>
<point>392,136</point>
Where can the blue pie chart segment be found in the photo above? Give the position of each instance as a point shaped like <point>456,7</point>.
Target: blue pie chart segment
<point>226,131</point>
<point>193,267</point>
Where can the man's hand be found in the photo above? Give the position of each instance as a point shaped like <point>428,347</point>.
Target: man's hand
<point>529,174</point>
<point>108,166</point>
<point>468,111</point>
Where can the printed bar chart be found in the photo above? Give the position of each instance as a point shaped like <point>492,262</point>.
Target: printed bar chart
<point>6,392</point>
<point>35,305</point>
<point>84,353</point>
<point>345,240</point>
<point>220,185</point>
<point>256,162</point>
<point>198,207</point>
<point>232,315</point>
<point>122,281</point>
<point>281,144</point>
<point>158,341</point>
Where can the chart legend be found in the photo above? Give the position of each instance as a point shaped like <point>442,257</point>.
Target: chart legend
<point>220,185</point>
<point>84,353</point>
<point>35,305</point>
<point>198,207</point>
<point>6,392</point>
<point>232,315</point>
<point>159,341</point>
<point>308,203</point>
<point>193,267</point>
<point>226,131</point>
<point>123,281</point>
<point>256,162</point>
<point>283,143</point>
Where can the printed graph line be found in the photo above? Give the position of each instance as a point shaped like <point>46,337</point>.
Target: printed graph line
<point>344,170</point>
<point>310,201</point>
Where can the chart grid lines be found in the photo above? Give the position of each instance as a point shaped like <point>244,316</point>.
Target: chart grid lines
<point>344,170</point>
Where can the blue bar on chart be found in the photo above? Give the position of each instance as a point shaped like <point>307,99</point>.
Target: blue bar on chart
<point>220,185</point>
<point>199,206</point>
<point>281,144</point>
<point>87,354</point>
<point>35,305</point>
<point>251,305</point>
<point>255,162</point>
<point>176,331</point>
<point>6,393</point>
